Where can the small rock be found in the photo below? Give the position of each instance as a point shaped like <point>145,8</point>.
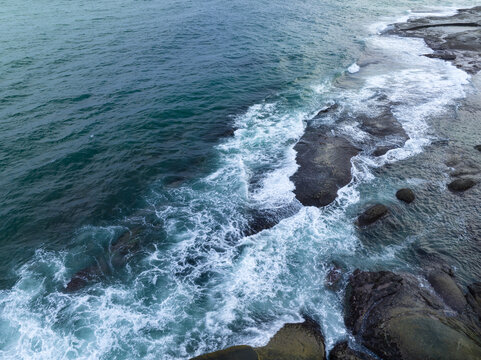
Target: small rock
<point>342,351</point>
<point>461,184</point>
<point>406,195</point>
<point>372,214</point>
<point>478,147</point>
<point>333,277</point>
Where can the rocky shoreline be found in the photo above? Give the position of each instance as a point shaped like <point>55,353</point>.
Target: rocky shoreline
<point>390,315</point>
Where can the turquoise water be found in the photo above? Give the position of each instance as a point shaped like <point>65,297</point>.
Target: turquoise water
<point>117,115</point>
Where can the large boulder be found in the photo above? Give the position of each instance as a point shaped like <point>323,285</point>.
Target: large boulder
<point>396,318</point>
<point>324,166</point>
<point>342,351</point>
<point>294,341</point>
<point>372,214</point>
<point>443,283</point>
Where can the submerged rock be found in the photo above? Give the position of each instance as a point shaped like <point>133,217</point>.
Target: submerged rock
<point>372,214</point>
<point>396,318</point>
<point>324,166</point>
<point>294,341</point>
<point>406,195</point>
<point>461,184</point>
<point>342,351</point>
<point>126,244</point>
<point>478,147</point>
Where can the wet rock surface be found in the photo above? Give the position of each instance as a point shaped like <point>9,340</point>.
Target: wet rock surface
<point>372,214</point>
<point>473,298</point>
<point>294,341</point>
<point>324,166</point>
<point>397,318</point>
<point>406,195</point>
<point>342,351</point>
<point>454,38</point>
<point>382,125</point>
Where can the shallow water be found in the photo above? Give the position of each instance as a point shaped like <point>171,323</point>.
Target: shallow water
<point>116,115</point>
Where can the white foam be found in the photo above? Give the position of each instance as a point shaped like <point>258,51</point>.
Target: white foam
<point>354,68</point>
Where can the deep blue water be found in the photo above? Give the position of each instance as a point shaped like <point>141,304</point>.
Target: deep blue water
<point>118,115</point>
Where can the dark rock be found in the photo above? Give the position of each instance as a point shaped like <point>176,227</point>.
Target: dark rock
<point>342,351</point>
<point>324,166</point>
<point>229,132</point>
<point>333,277</point>
<point>298,341</point>
<point>406,195</point>
<point>81,278</point>
<point>263,219</point>
<point>478,147</point>
<point>381,150</point>
<point>326,110</point>
<point>443,283</point>
<point>396,318</point>
<point>473,298</point>
<point>382,125</point>
<point>461,184</point>
<point>443,55</point>
<point>372,214</point>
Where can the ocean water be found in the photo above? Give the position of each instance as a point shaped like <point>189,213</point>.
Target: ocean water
<point>176,121</point>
